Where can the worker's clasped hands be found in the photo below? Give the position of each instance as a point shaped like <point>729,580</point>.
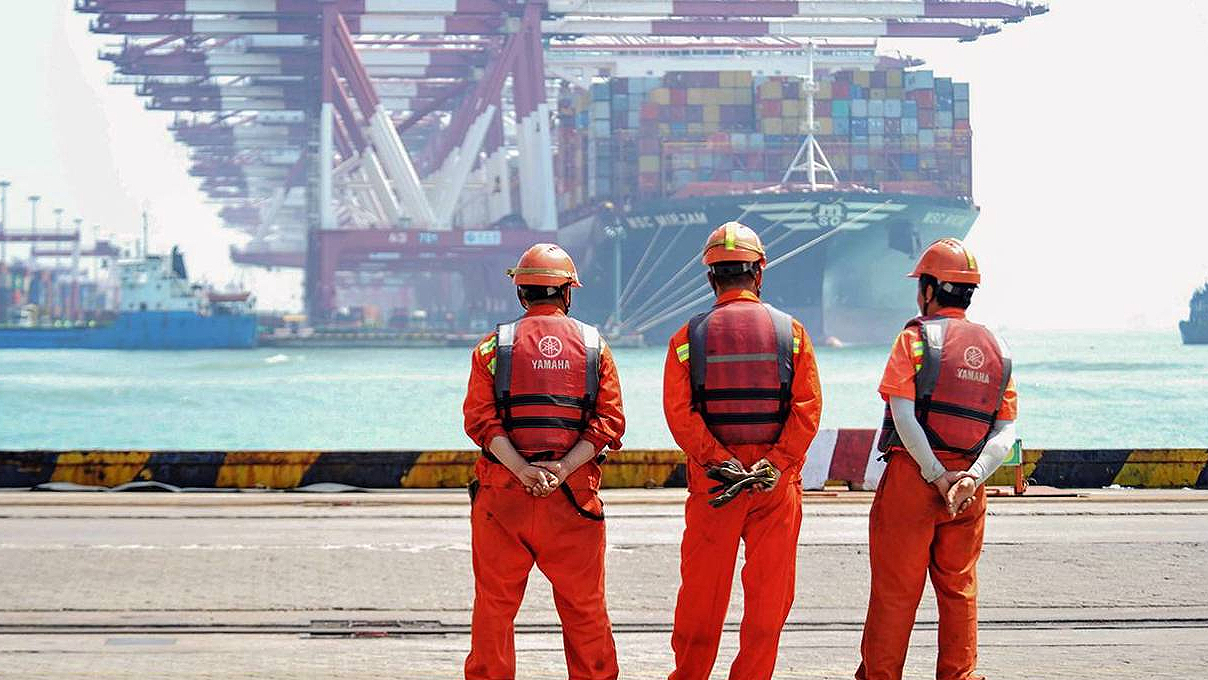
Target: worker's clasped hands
<point>541,478</point>
<point>734,479</point>
<point>957,489</point>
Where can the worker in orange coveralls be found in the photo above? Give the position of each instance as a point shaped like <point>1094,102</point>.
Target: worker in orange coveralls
<point>740,393</point>
<point>543,403</point>
<point>949,424</point>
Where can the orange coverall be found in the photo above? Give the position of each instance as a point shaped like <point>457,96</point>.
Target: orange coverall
<point>767,522</point>
<point>910,534</point>
<point>512,531</point>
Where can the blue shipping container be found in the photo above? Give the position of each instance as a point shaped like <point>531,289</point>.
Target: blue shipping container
<point>919,80</point>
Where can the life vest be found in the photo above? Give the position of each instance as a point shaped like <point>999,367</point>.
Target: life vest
<point>740,358</point>
<point>547,378</point>
<point>959,387</point>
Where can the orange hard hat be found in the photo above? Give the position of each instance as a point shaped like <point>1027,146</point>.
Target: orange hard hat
<point>545,264</point>
<point>948,260</point>
<point>733,242</point>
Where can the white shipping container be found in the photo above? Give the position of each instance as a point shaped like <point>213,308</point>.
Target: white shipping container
<point>859,108</point>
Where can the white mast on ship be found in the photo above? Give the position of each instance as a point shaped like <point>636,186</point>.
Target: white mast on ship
<point>810,158</point>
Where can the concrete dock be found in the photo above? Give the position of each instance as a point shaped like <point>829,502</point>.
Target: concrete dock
<point>1106,584</point>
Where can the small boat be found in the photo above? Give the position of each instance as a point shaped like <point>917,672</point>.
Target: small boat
<point>159,309</point>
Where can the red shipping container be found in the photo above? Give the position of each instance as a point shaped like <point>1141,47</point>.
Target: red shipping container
<point>926,118</point>
<point>960,125</point>
<point>925,98</point>
<point>679,97</point>
<point>841,90</point>
<point>770,108</point>
<point>650,111</point>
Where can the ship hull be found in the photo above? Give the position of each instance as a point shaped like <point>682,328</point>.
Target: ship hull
<point>149,330</point>
<point>837,259</point>
<point>1194,333</point>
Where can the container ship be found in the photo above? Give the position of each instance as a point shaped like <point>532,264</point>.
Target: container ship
<point>675,156</point>
<point>402,157</point>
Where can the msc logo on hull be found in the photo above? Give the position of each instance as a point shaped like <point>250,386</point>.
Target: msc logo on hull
<point>823,216</point>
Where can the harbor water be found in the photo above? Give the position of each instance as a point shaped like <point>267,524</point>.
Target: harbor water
<point>1077,390</point>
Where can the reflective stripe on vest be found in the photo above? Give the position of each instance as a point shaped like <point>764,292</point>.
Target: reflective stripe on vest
<point>740,357</point>
<point>546,399</point>
<point>959,385</point>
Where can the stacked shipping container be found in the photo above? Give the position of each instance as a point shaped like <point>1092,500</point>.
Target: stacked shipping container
<point>888,129</point>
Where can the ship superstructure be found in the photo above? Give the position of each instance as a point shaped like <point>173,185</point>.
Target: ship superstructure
<point>403,152</point>
<point>1195,328</point>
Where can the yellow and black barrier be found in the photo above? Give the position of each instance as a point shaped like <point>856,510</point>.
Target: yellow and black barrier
<point>1148,468</point>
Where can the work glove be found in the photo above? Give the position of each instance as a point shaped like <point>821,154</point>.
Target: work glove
<point>773,475</point>
<point>735,479</point>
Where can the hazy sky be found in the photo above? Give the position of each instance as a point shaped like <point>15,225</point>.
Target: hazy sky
<point>1090,141</point>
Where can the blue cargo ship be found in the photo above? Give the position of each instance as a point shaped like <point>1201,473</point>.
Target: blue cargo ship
<point>159,309</point>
